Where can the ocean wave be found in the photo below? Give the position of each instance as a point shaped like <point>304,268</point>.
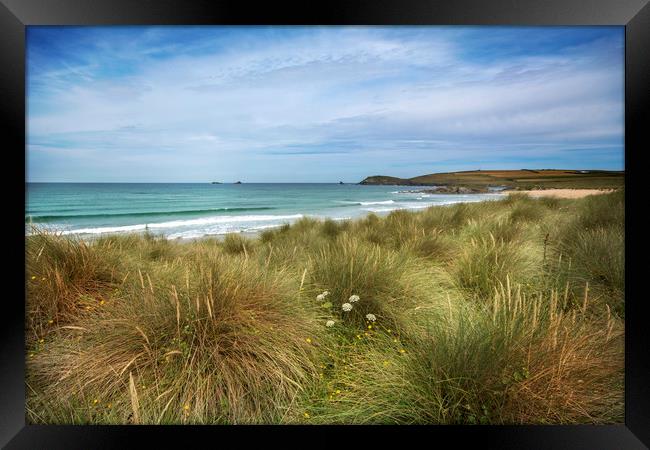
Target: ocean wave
<point>424,205</point>
<point>52,217</point>
<point>224,223</point>
<point>382,202</point>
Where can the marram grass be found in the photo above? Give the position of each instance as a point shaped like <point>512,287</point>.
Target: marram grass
<point>503,312</point>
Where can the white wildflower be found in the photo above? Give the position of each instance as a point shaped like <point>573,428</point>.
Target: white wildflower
<point>329,323</point>
<point>346,306</point>
<point>326,293</point>
<point>371,317</point>
<point>320,297</point>
<point>353,298</point>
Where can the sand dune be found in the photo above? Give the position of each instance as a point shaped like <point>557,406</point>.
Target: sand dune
<point>565,193</point>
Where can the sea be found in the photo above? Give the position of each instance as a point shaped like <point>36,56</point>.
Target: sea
<point>193,210</point>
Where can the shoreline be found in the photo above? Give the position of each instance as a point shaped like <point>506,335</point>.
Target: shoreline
<point>252,234</point>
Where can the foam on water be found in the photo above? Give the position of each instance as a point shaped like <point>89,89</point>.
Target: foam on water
<point>195,210</point>
<point>226,224</point>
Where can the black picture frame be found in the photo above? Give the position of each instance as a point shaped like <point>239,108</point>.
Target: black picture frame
<point>15,15</point>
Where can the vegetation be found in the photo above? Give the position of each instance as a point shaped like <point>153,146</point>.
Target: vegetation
<point>503,312</point>
<point>513,179</point>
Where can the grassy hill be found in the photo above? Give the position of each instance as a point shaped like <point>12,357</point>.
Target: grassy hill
<point>514,179</point>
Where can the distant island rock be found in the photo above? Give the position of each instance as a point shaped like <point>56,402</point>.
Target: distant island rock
<point>340,182</point>
<point>238,182</point>
<point>216,182</point>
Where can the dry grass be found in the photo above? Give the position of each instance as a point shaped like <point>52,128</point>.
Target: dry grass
<point>499,312</point>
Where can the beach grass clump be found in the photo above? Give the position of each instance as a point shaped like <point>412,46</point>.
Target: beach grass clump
<point>331,228</point>
<point>235,243</point>
<point>602,211</point>
<point>550,202</point>
<point>507,231</point>
<point>65,276</point>
<point>527,212</point>
<point>485,262</point>
<point>384,279</point>
<point>445,218</point>
<point>233,345</point>
<point>514,198</point>
<point>594,240</point>
<point>435,245</point>
<point>599,257</point>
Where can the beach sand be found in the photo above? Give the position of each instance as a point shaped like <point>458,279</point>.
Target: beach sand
<point>564,193</point>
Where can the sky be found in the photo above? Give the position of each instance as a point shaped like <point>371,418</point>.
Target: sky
<point>319,104</point>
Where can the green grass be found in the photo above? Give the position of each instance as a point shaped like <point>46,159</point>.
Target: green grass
<point>504,312</point>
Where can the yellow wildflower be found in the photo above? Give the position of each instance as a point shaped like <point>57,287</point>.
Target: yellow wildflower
<point>307,415</point>
<point>33,277</point>
<point>102,302</point>
<point>50,321</point>
<point>41,340</point>
<point>109,406</point>
<point>95,401</point>
<point>338,391</point>
<point>401,350</point>
<point>308,340</point>
<point>186,407</point>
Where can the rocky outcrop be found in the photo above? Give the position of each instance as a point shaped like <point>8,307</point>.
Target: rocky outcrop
<point>386,180</point>
<point>452,190</point>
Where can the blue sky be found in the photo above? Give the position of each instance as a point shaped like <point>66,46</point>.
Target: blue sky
<point>319,104</point>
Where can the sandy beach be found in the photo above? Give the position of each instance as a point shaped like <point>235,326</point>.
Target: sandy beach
<point>564,193</point>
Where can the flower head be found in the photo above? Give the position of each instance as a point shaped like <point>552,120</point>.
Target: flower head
<point>346,307</point>
<point>320,297</point>
<point>326,293</point>
<point>371,317</point>
<point>353,298</point>
<point>329,323</point>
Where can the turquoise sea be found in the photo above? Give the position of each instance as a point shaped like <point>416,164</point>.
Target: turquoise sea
<point>193,210</point>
